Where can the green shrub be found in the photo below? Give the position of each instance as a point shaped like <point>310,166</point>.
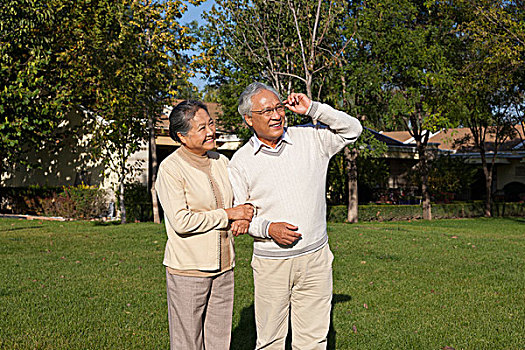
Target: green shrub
<point>73,202</point>
<point>387,212</point>
<point>336,213</point>
<point>76,202</point>
<point>25,200</point>
<point>509,209</point>
<point>458,210</point>
<point>58,205</point>
<point>137,200</point>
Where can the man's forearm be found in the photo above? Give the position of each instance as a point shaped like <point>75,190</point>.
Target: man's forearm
<point>341,123</point>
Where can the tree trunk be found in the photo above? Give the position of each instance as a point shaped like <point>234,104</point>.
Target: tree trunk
<point>427,208</point>
<point>423,159</point>
<point>488,184</point>
<point>154,168</point>
<point>309,85</point>
<point>351,166</point>
<point>121,199</point>
<point>488,200</point>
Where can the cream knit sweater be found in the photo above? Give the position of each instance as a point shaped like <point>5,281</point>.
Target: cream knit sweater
<point>290,184</point>
<point>196,222</point>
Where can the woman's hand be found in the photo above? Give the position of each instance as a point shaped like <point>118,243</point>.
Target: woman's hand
<point>240,227</point>
<point>240,212</point>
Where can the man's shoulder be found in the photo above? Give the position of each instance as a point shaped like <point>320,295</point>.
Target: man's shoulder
<point>299,132</point>
<point>242,154</point>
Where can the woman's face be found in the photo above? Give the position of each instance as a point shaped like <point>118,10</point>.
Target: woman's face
<point>201,137</point>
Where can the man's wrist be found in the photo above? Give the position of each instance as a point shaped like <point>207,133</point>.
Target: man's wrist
<point>312,110</point>
<point>266,226</point>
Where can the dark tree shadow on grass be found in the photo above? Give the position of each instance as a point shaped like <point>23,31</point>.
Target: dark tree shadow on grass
<point>244,335</point>
<point>21,228</point>
<point>516,219</point>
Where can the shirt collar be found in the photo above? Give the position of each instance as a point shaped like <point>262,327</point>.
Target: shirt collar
<point>258,144</point>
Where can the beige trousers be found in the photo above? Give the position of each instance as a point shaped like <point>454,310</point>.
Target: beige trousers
<point>200,311</point>
<point>300,287</point>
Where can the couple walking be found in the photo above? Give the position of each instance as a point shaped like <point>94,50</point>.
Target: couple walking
<point>274,190</point>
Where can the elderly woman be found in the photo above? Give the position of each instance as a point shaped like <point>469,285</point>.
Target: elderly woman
<point>197,198</point>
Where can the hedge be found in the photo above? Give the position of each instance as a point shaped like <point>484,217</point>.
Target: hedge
<point>137,200</point>
<point>388,212</point>
<point>74,202</point>
<point>25,200</point>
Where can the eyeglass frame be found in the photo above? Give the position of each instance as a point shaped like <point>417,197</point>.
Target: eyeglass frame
<point>267,112</point>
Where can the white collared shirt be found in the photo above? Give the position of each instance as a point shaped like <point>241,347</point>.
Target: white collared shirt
<point>257,144</point>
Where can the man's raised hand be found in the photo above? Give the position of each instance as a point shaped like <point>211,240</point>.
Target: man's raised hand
<point>298,103</point>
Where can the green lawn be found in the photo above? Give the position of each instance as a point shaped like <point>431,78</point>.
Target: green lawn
<point>397,285</point>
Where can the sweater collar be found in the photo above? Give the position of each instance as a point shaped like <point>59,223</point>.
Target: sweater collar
<point>258,144</point>
<point>194,159</point>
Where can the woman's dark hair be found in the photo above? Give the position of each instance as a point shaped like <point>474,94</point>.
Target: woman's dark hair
<point>181,115</point>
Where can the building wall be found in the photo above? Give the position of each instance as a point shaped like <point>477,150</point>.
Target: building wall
<point>68,162</point>
<point>513,172</point>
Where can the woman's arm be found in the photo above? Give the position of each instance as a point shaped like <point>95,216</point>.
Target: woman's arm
<point>170,189</point>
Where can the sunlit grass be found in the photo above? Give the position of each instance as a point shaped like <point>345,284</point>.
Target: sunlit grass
<point>397,285</point>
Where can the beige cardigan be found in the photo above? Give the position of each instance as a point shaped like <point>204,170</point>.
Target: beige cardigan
<point>193,221</point>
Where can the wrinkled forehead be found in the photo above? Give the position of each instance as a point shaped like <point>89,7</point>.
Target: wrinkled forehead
<point>265,98</point>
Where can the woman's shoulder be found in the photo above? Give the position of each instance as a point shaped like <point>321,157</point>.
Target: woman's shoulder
<point>217,157</point>
<point>171,162</point>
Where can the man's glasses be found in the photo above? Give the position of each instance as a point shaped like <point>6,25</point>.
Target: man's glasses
<point>268,112</point>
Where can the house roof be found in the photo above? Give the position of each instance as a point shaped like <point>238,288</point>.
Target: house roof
<point>164,124</point>
<point>383,137</point>
<point>459,139</point>
<point>401,136</point>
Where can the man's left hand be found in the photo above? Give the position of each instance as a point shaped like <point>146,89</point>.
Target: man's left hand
<point>298,103</point>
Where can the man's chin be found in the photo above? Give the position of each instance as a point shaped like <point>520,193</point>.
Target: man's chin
<point>277,132</point>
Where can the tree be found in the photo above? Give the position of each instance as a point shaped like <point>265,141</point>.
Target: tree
<point>129,64</point>
<point>34,96</point>
<point>489,92</point>
<point>411,43</point>
<point>164,70</point>
<point>290,44</point>
<point>295,45</point>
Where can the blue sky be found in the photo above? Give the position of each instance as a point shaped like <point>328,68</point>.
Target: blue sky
<point>194,14</point>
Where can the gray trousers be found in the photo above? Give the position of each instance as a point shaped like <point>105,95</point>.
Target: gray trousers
<point>200,311</point>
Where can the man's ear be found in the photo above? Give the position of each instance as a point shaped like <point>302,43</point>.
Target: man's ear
<point>182,138</point>
<point>248,120</point>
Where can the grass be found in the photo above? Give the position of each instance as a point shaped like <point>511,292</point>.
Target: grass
<point>397,285</point>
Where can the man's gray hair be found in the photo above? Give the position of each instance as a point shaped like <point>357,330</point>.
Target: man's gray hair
<point>245,100</point>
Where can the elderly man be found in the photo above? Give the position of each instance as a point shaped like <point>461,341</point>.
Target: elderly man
<point>281,171</point>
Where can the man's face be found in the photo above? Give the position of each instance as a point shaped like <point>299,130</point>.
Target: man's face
<point>268,128</point>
